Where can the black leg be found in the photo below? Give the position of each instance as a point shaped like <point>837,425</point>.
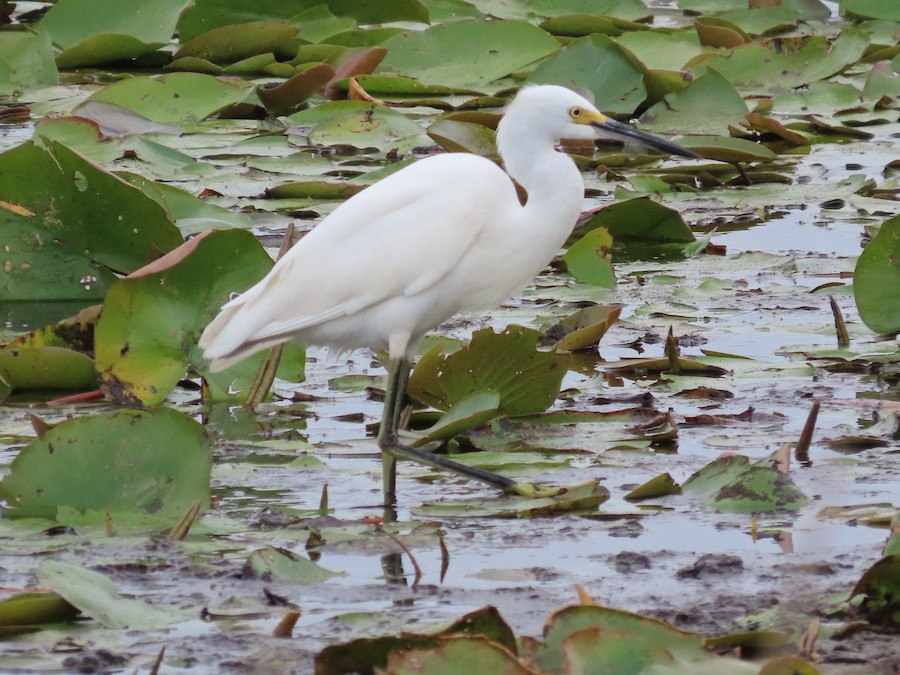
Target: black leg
<point>392,449</point>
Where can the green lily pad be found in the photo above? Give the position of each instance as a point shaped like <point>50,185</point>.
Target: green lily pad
<point>708,105</point>
<point>877,278</point>
<point>289,95</point>
<point>640,221</point>
<point>641,632</point>
<point>789,665</point>
<point>206,15</point>
<point>457,656</point>
<point>176,98</point>
<point>725,149</point>
<point>229,44</point>
<point>79,134</point>
<point>467,53</point>
<point>30,368</point>
<point>32,609</point>
<point>870,9</point>
<point>71,22</point>
<point>658,486</point>
<point>750,67</point>
<point>764,20</point>
<point>85,223</point>
<point>361,125</point>
<point>584,329</point>
<point>507,363</point>
<point>99,49</point>
<point>147,334</point>
<point>661,51</point>
<point>577,498</point>
<point>589,260</point>
<point>457,136</point>
<point>735,485</point>
<point>26,62</point>
<point>278,563</point>
<point>719,33</point>
<point>97,597</point>
<point>618,87</point>
<point>103,464</point>
<point>471,412</point>
<point>880,587</point>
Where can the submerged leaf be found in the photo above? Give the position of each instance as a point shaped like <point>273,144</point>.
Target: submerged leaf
<point>279,563</point>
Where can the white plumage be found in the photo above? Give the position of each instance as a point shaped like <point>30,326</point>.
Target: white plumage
<point>445,234</point>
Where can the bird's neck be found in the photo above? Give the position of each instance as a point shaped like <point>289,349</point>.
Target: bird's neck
<point>551,179</point>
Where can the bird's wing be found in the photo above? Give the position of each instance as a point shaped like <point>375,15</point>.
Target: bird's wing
<point>398,237</point>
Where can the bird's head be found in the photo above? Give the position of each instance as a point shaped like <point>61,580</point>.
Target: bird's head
<point>561,113</point>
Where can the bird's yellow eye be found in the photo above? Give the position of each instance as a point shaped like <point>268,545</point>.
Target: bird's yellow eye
<point>575,112</point>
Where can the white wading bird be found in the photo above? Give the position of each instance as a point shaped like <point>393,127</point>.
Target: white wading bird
<point>444,235</point>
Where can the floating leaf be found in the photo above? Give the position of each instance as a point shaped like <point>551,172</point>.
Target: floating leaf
<point>278,563</point>
<point>229,44</point>
<point>70,22</point>
<point>467,53</point>
<point>288,95</point>
<point>176,98</point>
<point>589,259</point>
<point>640,220</point>
<point>29,368</point>
<point>25,610</point>
<point>877,278</point>
<point>880,587</point>
<point>471,412</point>
<point>709,104</point>
<point>618,87</point>
<point>457,136</point>
<point>577,498</point>
<point>658,486</point>
<point>87,222</point>
<point>97,597</point>
<point>102,463</point>
<point>147,334</point>
<point>457,656</point>
<point>26,61</point>
<point>735,485</point>
<point>507,363</point>
<point>584,329</point>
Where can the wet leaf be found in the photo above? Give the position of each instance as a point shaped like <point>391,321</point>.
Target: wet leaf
<point>359,124</point>
<point>658,486</point>
<point>457,656</point>
<point>639,221</point>
<point>589,259</point>
<point>30,609</point>
<point>87,222</point>
<point>279,563</point>
<point>458,136</point>
<point>618,87</point>
<point>30,368</point>
<point>729,149</point>
<point>708,105</point>
<point>99,49</point>
<point>877,278</point>
<point>176,98</point>
<point>467,53</point>
<point>584,329</point>
<point>577,498</point>
<point>507,363</point>
<point>880,587</point>
<point>70,22</point>
<point>870,9</point>
<point>734,485</point>
<point>640,632</point>
<point>102,463</point>
<point>97,597</point>
<point>789,665</point>
<point>471,412</point>
<point>147,334</point>
<point>717,32</point>
<point>288,95</point>
<point>26,62</point>
<point>230,44</point>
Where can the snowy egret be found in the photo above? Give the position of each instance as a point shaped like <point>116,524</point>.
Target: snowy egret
<point>444,235</point>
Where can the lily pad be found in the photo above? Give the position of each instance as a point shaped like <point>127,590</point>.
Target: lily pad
<point>708,105</point>
<point>229,44</point>
<point>176,98</point>
<point>26,61</point>
<point>880,588</point>
<point>589,259</point>
<point>278,563</point>
<point>147,334</point>
<point>103,464</point>
<point>617,84</point>
<point>877,278</point>
<point>25,610</point>
<point>467,53</point>
<point>507,363</point>
<point>584,329</point>
<point>84,222</point>
<point>457,656</point>
<point>97,597</point>
<point>30,368</point>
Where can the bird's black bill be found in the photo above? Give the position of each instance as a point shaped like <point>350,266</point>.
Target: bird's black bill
<point>629,133</point>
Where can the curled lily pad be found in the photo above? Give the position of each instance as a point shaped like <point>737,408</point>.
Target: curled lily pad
<point>229,44</point>
<point>147,334</point>
<point>29,368</point>
<point>877,278</point>
<point>584,329</point>
<point>507,363</point>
